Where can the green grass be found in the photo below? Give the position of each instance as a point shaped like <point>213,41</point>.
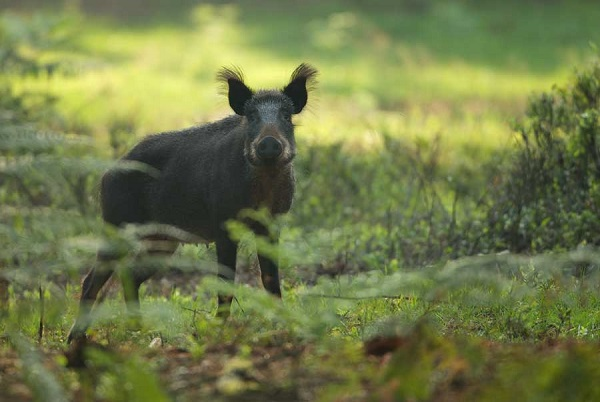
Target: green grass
<point>452,333</point>
<point>456,69</point>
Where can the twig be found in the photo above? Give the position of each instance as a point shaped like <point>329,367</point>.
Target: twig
<point>42,308</point>
<point>360,298</point>
<point>239,305</point>
<point>195,311</point>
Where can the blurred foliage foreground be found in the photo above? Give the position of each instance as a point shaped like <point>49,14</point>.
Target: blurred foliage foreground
<point>401,282</point>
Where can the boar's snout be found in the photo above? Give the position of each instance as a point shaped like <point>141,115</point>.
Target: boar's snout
<point>269,149</point>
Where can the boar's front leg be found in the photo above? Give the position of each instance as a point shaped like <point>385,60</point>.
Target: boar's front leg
<point>226,257</point>
<point>269,269</point>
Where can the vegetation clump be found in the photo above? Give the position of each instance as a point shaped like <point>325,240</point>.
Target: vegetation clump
<point>549,199</point>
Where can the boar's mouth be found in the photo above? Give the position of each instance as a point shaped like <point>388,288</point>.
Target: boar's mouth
<point>286,157</point>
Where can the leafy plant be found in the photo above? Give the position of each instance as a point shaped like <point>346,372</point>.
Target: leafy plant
<point>549,198</point>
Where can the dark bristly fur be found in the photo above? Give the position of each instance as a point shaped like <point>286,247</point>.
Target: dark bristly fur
<point>207,175</point>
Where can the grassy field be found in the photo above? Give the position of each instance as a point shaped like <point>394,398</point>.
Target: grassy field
<point>455,69</point>
<point>410,121</point>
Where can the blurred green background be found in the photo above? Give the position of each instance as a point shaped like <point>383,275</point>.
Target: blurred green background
<point>409,67</point>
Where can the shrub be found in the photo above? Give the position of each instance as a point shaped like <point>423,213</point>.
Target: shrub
<point>399,206</point>
<point>549,199</point>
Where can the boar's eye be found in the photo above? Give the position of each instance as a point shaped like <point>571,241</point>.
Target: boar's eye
<point>252,114</point>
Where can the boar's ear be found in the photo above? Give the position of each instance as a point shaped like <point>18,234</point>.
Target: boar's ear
<point>302,80</point>
<point>237,92</point>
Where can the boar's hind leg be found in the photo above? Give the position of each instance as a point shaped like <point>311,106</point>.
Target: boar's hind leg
<point>92,284</point>
<point>156,249</point>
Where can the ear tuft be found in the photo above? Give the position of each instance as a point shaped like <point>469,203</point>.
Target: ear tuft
<point>303,80</point>
<point>237,92</point>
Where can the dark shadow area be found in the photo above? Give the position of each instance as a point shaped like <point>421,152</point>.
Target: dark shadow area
<point>501,35</point>
<point>137,12</point>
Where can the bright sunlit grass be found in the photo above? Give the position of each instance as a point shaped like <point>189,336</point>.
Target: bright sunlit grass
<point>375,77</point>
